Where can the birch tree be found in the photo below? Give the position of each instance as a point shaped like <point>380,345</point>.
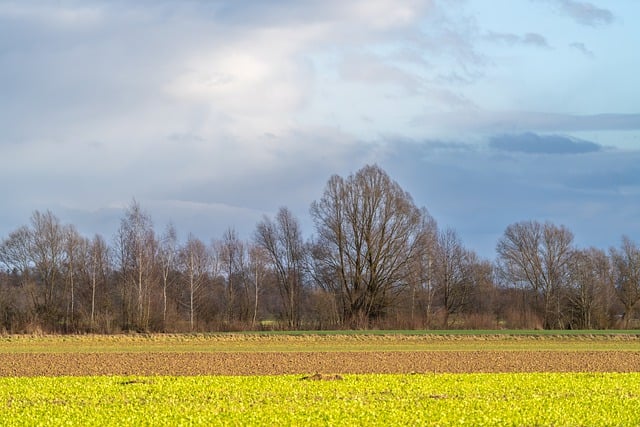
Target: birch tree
<point>138,249</point>
<point>98,271</point>
<point>195,264</point>
<point>75,249</point>
<point>167,256</point>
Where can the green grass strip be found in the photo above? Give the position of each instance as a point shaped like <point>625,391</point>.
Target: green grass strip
<point>389,341</point>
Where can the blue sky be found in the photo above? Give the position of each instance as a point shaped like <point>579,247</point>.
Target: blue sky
<point>213,114</point>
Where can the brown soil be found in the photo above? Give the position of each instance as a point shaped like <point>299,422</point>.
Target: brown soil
<point>276,363</point>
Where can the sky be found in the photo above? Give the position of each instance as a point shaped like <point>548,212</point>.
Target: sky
<point>212,114</point>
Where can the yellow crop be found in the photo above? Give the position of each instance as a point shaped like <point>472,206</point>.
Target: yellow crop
<point>592,399</point>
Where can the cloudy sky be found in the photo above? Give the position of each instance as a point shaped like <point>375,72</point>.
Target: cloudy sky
<point>214,113</point>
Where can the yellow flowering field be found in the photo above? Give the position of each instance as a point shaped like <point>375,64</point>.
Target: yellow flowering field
<point>572,399</point>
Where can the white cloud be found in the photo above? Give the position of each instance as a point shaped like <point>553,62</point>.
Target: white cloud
<point>212,110</point>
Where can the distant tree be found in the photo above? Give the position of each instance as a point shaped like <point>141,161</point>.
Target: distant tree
<point>626,267</point>
<point>484,300</point>
<point>167,255</point>
<point>281,239</point>
<point>16,257</point>
<point>539,256</point>
<point>422,271</point>
<point>47,253</point>
<point>368,232</point>
<point>15,252</point>
<point>195,262</point>
<point>258,266</point>
<point>75,252</point>
<point>99,269</point>
<point>590,283</point>
<point>453,273</point>
<point>137,247</point>
<point>232,258</point>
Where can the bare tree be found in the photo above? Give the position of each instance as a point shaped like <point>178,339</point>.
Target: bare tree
<point>258,261</point>
<point>48,253</point>
<point>75,249</point>
<point>591,281</point>
<point>98,271</point>
<point>195,261</point>
<point>453,274</point>
<point>484,295</point>
<point>422,271</point>
<point>367,236</point>
<point>281,238</point>
<point>232,258</point>
<point>167,257</point>
<point>626,267</point>
<point>539,256</point>
<point>16,256</point>
<point>138,249</point>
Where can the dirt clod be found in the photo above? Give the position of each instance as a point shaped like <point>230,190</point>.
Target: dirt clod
<point>322,377</point>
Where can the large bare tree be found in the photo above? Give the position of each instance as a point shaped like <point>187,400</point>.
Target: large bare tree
<point>367,236</point>
<point>538,256</point>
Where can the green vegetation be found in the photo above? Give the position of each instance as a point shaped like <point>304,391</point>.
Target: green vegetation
<point>334,341</point>
<point>444,399</point>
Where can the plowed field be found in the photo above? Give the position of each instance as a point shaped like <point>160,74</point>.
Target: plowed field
<point>267,363</point>
<point>170,358</point>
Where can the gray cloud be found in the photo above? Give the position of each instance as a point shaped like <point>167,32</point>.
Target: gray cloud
<point>531,143</point>
<point>439,146</point>
<point>585,13</point>
<point>523,121</point>
<point>624,177</point>
<point>532,39</point>
<point>582,48</point>
<point>594,194</point>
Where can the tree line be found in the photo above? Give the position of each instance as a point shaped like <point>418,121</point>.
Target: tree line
<point>376,260</point>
